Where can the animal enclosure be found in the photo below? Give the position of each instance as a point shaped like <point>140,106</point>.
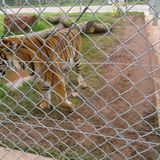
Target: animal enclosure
<point>114,115</point>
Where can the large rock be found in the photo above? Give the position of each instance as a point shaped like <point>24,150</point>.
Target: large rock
<point>19,23</point>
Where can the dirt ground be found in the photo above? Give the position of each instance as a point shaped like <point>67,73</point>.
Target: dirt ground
<point>118,121</point>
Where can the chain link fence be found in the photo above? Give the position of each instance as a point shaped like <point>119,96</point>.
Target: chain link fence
<point>64,2</point>
<point>45,2</point>
<point>115,111</point>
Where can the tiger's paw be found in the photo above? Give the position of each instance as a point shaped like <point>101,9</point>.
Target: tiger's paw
<point>81,82</point>
<point>74,94</point>
<point>66,106</point>
<point>83,85</point>
<point>44,105</point>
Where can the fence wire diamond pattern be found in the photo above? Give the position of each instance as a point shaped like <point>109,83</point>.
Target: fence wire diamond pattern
<point>112,114</point>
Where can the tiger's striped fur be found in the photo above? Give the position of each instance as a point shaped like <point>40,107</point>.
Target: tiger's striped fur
<point>46,58</point>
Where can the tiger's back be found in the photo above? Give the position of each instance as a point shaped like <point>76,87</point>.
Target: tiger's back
<point>61,48</point>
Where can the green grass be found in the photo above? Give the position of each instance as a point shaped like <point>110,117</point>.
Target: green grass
<point>137,2</point>
<point>1,24</point>
<point>25,100</point>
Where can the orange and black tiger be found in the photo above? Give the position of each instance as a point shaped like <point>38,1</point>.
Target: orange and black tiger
<point>46,58</point>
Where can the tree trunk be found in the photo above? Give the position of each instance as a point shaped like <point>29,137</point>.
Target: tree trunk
<point>94,27</point>
<point>87,27</point>
<point>101,28</point>
<point>59,19</point>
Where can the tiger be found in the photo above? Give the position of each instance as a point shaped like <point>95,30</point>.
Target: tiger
<point>48,58</point>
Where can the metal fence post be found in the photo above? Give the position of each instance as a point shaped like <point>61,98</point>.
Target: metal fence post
<point>155,10</point>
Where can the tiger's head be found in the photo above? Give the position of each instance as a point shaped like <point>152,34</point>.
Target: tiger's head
<point>8,60</point>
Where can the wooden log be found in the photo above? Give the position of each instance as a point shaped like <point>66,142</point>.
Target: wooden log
<point>59,20</point>
<point>102,28</point>
<point>94,27</point>
<point>43,33</point>
<point>88,27</point>
<point>55,20</point>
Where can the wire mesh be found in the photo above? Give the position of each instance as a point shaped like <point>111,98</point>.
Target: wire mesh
<point>109,111</point>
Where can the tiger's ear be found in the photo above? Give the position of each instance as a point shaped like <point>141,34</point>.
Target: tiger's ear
<point>14,46</point>
<point>11,43</point>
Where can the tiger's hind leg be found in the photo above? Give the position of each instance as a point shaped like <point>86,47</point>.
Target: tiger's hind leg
<point>80,79</point>
<point>59,87</point>
<point>81,83</point>
<point>47,97</point>
<point>64,103</point>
